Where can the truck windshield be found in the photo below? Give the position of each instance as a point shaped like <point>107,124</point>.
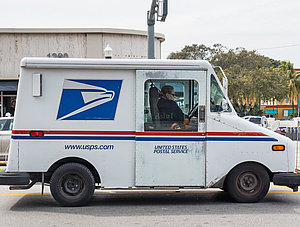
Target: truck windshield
<point>216,96</point>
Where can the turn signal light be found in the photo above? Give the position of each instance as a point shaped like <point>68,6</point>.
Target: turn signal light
<point>278,147</point>
<point>36,133</point>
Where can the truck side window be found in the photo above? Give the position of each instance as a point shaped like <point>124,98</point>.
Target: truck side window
<point>216,96</point>
<point>169,105</point>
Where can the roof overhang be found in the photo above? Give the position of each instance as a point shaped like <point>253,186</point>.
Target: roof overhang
<point>159,36</point>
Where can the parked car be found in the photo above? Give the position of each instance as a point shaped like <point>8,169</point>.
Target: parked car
<point>262,121</point>
<point>283,125</point>
<point>281,130</point>
<point>6,124</point>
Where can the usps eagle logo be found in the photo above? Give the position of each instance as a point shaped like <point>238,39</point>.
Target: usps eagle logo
<point>89,99</point>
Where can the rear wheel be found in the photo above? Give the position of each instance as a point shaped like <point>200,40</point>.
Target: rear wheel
<point>72,184</point>
<point>248,183</point>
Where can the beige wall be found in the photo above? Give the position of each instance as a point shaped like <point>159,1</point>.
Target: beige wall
<point>13,47</point>
<point>89,43</point>
<point>126,46</point>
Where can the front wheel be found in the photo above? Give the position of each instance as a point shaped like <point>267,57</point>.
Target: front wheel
<point>248,183</point>
<point>72,184</point>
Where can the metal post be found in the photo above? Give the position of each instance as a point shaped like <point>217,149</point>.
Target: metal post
<point>2,104</point>
<point>161,16</point>
<point>150,23</point>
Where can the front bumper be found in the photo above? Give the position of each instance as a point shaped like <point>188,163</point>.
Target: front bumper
<point>14,178</point>
<point>291,180</point>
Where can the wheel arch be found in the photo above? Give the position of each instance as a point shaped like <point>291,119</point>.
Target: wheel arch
<point>82,161</point>
<point>250,162</point>
<point>221,182</point>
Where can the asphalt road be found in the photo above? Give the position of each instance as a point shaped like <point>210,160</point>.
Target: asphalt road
<point>281,207</point>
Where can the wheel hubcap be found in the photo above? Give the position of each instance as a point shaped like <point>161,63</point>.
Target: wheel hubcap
<point>72,184</point>
<point>248,183</point>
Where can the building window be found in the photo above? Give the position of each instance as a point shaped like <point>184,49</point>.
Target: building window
<point>8,103</point>
<point>8,95</point>
<point>287,101</point>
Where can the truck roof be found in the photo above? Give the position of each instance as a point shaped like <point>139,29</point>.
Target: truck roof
<point>73,63</point>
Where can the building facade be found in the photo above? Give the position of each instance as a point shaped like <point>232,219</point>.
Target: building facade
<point>280,109</point>
<point>63,42</point>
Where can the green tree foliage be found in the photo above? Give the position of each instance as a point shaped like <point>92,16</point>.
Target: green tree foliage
<point>287,69</point>
<point>198,52</point>
<point>252,77</point>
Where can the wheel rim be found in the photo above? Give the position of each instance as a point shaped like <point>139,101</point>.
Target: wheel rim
<point>72,184</point>
<point>248,183</point>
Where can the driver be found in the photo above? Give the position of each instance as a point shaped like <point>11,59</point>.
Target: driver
<point>168,109</point>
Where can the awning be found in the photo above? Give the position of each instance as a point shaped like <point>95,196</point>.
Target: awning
<point>271,112</point>
<point>8,85</point>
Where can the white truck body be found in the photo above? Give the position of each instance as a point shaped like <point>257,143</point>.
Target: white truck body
<point>93,111</point>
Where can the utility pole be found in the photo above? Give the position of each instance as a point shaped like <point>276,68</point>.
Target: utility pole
<point>159,7</point>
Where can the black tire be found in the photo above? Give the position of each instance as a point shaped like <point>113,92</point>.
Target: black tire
<point>72,184</point>
<point>248,183</point>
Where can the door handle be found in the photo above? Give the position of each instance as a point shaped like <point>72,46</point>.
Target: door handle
<point>202,113</point>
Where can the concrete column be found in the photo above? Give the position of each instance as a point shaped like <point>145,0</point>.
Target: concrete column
<point>94,46</point>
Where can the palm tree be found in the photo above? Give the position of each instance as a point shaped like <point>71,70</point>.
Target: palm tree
<point>294,82</point>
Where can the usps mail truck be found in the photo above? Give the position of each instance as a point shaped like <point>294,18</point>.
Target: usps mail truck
<point>86,124</point>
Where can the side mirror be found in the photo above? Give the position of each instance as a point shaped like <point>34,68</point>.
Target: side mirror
<point>224,105</point>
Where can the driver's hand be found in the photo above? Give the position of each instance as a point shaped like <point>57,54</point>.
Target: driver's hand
<point>175,126</point>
